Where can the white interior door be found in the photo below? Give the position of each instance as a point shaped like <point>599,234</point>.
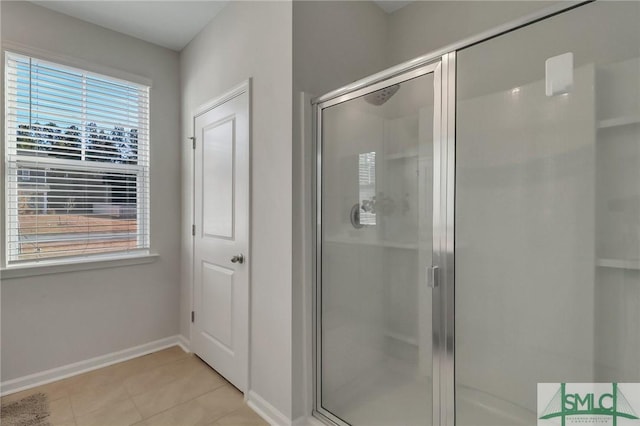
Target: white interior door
<point>221,242</point>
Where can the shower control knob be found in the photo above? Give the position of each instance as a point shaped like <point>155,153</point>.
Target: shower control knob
<point>238,258</point>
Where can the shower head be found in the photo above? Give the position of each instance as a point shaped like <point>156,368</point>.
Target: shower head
<point>381,96</point>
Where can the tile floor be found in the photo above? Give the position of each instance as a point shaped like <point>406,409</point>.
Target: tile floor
<point>169,387</point>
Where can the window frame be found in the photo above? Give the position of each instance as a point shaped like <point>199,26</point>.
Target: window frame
<point>19,268</point>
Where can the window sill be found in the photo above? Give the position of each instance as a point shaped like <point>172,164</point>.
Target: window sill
<point>31,270</point>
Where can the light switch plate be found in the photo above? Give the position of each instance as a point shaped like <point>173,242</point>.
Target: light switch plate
<point>559,74</point>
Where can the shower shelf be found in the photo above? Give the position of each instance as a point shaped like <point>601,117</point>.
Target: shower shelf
<point>619,263</point>
<point>619,121</point>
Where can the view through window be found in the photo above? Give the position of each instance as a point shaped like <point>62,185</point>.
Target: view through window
<point>77,162</point>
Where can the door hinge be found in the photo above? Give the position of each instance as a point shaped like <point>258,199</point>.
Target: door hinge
<point>193,316</point>
<point>193,230</point>
<point>193,140</point>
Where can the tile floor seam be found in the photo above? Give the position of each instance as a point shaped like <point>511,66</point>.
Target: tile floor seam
<point>164,363</point>
<point>118,399</point>
<point>75,418</point>
<point>170,408</point>
<point>137,409</point>
<point>211,389</point>
<point>126,389</point>
<point>175,379</point>
<point>214,420</point>
<point>230,413</point>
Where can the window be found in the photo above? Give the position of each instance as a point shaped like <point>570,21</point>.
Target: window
<point>77,162</point>
<point>367,187</point>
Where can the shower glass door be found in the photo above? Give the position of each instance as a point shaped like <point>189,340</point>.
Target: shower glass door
<point>374,329</point>
<point>547,221</point>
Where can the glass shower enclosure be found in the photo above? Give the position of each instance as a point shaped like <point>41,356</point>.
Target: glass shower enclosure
<point>376,188</point>
<point>478,228</point>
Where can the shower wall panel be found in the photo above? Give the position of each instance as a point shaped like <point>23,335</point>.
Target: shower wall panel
<point>547,213</point>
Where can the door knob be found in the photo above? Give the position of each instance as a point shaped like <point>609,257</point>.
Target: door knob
<point>238,258</point>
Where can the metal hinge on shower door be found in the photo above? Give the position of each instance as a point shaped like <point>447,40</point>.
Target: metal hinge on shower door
<point>193,316</point>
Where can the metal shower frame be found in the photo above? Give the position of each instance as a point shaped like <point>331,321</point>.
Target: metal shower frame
<point>442,63</point>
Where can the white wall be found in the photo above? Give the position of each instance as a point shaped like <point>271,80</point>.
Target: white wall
<point>54,320</point>
<point>425,26</point>
<point>252,40</point>
<point>337,42</point>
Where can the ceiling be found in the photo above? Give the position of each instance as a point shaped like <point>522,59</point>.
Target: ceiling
<point>171,24</point>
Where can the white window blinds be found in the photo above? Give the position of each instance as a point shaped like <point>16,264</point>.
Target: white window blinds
<point>77,162</point>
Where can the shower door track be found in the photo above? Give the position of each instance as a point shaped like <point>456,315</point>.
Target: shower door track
<point>443,64</point>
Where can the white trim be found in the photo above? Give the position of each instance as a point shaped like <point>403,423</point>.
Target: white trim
<point>236,91</point>
<point>267,411</point>
<point>16,47</point>
<point>73,265</point>
<point>184,343</point>
<point>306,158</point>
<point>248,87</point>
<point>58,373</point>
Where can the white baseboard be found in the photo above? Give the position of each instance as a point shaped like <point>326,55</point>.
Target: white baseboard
<point>58,373</point>
<point>267,411</point>
<point>184,343</point>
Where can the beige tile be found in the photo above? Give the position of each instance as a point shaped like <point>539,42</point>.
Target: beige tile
<point>93,391</point>
<point>150,380</point>
<point>97,398</point>
<point>119,373</point>
<point>243,416</point>
<point>147,381</point>
<point>54,390</point>
<point>119,413</point>
<point>193,384</point>
<point>60,411</point>
<point>200,411</point>
<point>88,381</point>
<point>188,366</point>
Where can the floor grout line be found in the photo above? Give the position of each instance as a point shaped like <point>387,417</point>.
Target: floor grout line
<point>75,418</point>
<point>136,407</point>
<point>183,402</point>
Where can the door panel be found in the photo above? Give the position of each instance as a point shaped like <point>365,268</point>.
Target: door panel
<point>217,166</point>
<point>217,295</point>
<point>375,315</point>
<point>220,331</point>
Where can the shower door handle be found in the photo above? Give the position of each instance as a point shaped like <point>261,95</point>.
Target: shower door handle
<point>432,276</point>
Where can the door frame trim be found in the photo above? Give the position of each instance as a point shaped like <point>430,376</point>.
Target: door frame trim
<point>241,88</point>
